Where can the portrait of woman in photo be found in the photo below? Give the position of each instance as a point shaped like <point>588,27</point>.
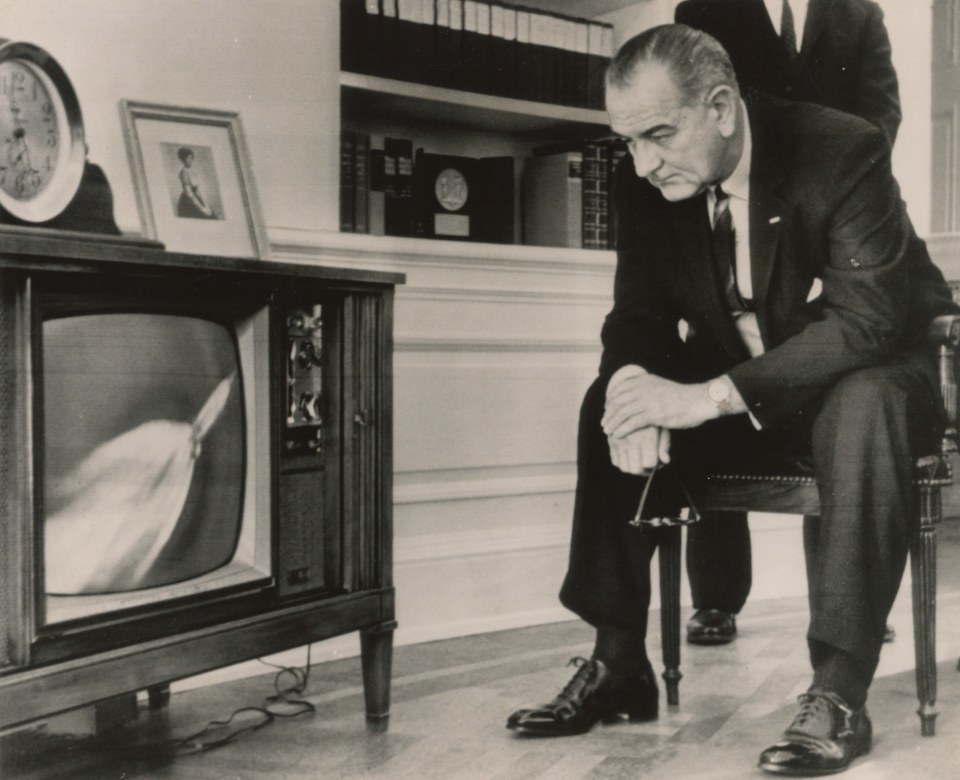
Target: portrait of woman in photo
<point>191,203</point>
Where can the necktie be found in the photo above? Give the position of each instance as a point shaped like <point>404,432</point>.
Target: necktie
<point>724,251</point>
<point>788,31</point>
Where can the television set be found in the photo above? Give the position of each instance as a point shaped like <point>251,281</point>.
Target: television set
<point>195,466</point>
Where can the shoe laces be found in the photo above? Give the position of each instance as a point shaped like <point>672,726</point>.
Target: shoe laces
<point>587,671</point>
<point>815,705</point>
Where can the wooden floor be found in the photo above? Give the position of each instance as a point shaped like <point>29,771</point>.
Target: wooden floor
<point>450,700</point>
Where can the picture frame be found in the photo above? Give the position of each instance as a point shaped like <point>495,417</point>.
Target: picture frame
<point>193,179</point>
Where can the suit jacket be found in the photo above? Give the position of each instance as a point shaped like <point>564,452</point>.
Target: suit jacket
<point>823,206</point>
<point>844,59</point>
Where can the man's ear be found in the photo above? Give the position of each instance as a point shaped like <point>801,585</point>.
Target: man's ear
<point>723,103</point>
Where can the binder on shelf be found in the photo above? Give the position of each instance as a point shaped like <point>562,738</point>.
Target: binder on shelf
<point>523,57</point>
<point>617,150</point>
<point>361,182</point>
<point>484,80</point>
<point>495,220</point>
<point>579,68</point>
<point>445,49</point>
<point>594,196</point>
<point>468,69</point>
<point>538,56</point>
<point>505,51</point>
<point>457,75</point>
<point>398,216</point>
<point>347,201</point>
<point>407,63</point>
<point>375,196</point>
<point>360,36</point>
<point>553,200</point>
<point>599,52</point>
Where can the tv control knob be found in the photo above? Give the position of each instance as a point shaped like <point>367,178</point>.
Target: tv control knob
<point>310,406</point>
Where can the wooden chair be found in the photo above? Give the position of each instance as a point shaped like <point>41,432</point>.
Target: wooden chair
<point>798,494</point>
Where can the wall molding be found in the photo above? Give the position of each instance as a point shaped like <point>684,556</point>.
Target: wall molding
<point>290,244</point>
<point>435,490</point>
<point>478,543</point>
<point>503,294</point>
<point>407,344</point>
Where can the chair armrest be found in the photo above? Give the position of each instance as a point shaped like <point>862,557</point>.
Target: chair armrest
<point>944,336</point>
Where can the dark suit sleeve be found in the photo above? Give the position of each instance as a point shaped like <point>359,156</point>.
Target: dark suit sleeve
<point>862,224</point>
<point>641,328</point>
<point>876,93</point>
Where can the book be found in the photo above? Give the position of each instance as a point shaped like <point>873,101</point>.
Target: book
<point>375,196</point>
<point>359,35</point>
<point>594,213</point>
<point>599,52</point>
<point>347,202</point>
<point>495,200</point>
<point>361,182</point>
<point>616,151</point>
<point>398,214</point>
<point>553,200</point>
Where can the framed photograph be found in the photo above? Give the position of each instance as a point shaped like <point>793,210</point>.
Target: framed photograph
<point>193,180</point>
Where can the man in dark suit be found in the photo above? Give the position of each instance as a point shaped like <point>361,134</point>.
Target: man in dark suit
<point>835,53</point>
<point>776,231</point>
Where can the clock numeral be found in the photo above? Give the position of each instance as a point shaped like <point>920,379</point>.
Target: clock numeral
<point>47,108</point>
<point>52,138</point>
<point>19,184</point>
<point>48,163</point>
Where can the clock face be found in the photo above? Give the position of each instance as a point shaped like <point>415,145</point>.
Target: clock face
<point>31,115</point>
<point>42,152</point>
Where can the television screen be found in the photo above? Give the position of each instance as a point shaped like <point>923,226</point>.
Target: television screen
<point>144,451</point>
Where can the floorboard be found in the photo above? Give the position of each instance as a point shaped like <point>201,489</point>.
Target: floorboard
<point>450,700</point>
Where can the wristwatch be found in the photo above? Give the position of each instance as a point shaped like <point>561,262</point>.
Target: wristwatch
<point>718,391</point>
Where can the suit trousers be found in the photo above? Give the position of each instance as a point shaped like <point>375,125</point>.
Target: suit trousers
<point>861,440</point>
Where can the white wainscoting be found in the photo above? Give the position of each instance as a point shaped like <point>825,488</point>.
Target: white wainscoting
<point>494,348</point>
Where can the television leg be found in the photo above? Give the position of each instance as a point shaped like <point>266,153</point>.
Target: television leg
<point>376,655</point>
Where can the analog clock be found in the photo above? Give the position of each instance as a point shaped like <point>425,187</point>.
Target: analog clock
<point>42,150</point>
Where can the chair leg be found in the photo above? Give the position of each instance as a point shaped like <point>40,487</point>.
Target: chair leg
<point>923,560</point>
<point>669,552</point>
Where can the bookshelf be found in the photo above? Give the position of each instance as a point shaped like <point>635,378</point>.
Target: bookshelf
<point>364,96</point>
<point>455,122</point>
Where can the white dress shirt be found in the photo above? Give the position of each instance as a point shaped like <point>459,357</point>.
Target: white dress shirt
<point>799,8</point>
<point>737,186</point>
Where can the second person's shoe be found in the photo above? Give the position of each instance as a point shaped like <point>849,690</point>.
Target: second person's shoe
<point>595,693</point>
<point>711,627</point>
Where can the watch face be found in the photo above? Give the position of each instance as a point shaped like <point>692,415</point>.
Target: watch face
<point>42,153</point>
<point>31,120</point>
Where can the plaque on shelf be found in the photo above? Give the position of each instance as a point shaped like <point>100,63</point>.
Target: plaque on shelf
<point>445,192</point>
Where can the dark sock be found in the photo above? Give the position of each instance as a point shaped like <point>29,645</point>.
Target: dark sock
<point>841,673</point>
<point>623,651</point>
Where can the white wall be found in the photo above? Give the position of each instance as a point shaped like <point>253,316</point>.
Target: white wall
<point>275,63</point>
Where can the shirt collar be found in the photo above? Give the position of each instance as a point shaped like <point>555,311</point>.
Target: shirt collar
<point>799,8</point>
<point>737,184</point>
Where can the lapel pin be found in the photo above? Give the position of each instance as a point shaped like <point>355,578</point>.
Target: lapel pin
<point>774,220</point>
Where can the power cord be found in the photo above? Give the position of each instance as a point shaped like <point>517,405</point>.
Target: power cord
<point>284,703</point>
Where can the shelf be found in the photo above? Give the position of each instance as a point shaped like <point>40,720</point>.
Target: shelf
<point>374,96</point>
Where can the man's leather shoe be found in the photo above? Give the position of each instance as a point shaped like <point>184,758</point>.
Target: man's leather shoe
<point>825,736</point>
<point>595,693</point>
<point>711,627</point>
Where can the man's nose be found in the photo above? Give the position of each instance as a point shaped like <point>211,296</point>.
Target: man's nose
<point>646,160</point>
